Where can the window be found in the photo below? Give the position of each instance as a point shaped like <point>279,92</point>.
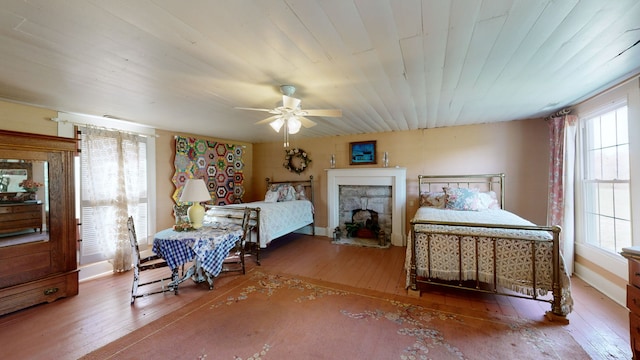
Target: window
<point>113,168</point>
<point>606,190</point>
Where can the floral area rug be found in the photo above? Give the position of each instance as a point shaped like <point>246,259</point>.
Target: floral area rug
<point>271,316</point>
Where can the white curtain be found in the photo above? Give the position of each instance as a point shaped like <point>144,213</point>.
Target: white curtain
<point>111,190</point>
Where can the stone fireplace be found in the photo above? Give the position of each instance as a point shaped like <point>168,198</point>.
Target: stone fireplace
<point>365,212</point>
<point>366,191</point>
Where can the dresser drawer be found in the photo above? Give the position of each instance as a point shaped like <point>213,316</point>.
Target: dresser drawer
<point>634,333</point>
<point>633,299</point>
<point>40,291</point>
<point>634,272</point>
<point>20,216</point>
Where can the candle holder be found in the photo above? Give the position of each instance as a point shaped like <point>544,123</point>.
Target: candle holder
<point>385,159</point>
<point>332,161</point>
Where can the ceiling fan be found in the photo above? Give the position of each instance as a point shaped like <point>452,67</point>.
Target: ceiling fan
<point>291,115</point>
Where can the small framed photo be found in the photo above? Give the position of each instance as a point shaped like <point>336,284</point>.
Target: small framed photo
<point>362,152</point>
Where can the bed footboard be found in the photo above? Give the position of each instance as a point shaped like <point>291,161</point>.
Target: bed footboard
<point>503,265</point>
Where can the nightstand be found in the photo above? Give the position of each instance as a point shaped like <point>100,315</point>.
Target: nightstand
<point>633,297</point>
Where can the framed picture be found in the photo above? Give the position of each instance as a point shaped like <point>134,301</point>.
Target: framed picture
<point>362,152</point>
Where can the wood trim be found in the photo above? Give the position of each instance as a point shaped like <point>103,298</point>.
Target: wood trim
<point>604,273</point>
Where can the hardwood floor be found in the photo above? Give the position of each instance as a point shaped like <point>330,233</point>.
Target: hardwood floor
<point>70,328</point>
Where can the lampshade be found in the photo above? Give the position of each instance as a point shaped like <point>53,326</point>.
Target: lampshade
<point>277,124</point>
<point>195,190</point>
<point>293,124</point>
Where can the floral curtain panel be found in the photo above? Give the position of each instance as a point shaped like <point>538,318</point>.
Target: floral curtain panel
<point>562,174</point>
<point>220,165</point>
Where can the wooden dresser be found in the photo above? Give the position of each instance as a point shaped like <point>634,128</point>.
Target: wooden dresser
<point>20,216</point>
<point>633,298</point>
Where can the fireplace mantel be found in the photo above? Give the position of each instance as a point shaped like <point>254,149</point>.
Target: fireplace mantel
<point>395,177</point>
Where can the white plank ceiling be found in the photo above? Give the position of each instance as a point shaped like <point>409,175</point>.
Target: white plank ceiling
<point>390,65</point>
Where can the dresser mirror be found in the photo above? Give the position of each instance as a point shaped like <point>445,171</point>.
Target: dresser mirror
<point>23,201</point>
<point>12,174</point>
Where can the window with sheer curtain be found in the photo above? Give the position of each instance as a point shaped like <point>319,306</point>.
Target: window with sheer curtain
<point>113,168</point>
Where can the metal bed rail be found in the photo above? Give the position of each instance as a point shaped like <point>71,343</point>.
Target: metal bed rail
<point>556,305</point>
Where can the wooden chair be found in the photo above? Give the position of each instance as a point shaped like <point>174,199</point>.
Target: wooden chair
<point>144,263</point>
<point>235,260</point>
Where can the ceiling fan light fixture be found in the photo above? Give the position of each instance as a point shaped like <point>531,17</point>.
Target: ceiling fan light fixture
<point>290,115</point>
<point>288,90</point>
<point>277,124</point>
<point>293,125</point>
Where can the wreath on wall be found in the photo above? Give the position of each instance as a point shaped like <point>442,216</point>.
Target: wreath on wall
<point>296,160</point>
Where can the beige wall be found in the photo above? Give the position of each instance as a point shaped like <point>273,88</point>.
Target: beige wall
<point>24,118</point>
<point>31,119</point>
<point>517,148</point>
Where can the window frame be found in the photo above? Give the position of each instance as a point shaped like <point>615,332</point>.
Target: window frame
<point>592,209</point>
<point>67,123</point>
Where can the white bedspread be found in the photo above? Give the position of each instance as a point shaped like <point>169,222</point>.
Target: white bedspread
<point>514,257</point>
<point>491,216</point>
<point>280,218</point>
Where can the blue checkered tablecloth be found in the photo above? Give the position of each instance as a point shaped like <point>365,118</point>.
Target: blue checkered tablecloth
<point>210,244</point>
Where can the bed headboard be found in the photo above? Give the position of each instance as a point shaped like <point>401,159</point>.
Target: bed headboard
<point>482,182</point>
<point>308,186</point>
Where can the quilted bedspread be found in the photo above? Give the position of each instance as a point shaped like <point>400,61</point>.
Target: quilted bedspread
<point>513,261</point>
<point>280,218</point>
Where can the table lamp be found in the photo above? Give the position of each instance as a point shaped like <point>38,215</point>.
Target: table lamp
<point>195,191</point>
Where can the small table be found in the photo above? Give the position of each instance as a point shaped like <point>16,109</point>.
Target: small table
<point>207,247</point>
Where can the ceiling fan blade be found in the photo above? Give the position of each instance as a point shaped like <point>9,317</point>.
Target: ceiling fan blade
<point>253,109</point>
<point>267,120</point>
<point>307,123</point>
<point>290,102</point>
<point>323,112</point>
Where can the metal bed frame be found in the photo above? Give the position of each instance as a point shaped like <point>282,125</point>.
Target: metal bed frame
<point>486,182</point>
<point>254,222</point>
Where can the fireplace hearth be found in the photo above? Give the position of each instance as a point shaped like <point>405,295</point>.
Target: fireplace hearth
<point>364,229</point>
<point>364,224</point>
<point>365,213</point>
<point>367,198</point>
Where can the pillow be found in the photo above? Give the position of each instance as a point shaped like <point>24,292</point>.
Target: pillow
<point>289,193</point>
<point>488,200</point>
<point>462,199</point>
<point>300,195</point>
<point>271,196</point>
<point>286,192</point>
<point>434,199</point>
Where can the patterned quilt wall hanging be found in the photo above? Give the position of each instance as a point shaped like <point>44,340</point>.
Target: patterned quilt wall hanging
<point>220,165</point>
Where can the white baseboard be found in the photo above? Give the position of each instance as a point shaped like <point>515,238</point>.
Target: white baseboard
<point>615,293</point>
<point>94,270</point>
